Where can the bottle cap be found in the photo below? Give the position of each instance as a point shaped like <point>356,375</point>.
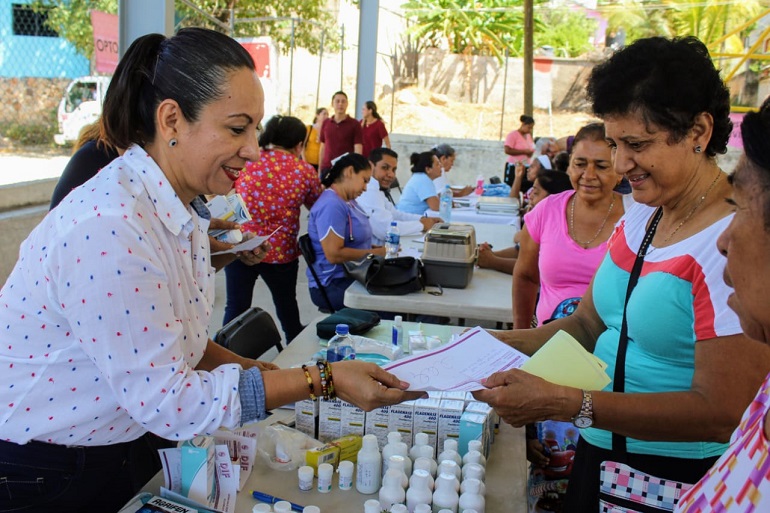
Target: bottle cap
<point>474,445</point>
<point>394,437</point>
<point>325,471</point>
<point>398,320</point>
<point>369,442</point>
<point>261,508</point>
<point>422,508</point>
<point>282,506</point>
<point>472,485</point>
<point>393,223</point>
<point>342,329</point>
<point>311,509</point>
<point>421,439</point>
<point>398,508</point>
<point>345,468</point>
<point>372,506</point>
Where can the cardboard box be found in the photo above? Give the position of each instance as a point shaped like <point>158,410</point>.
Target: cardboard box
<point>401,419</point>
<point>473,426</point>
<point>329,420</point>
<point>426,413</point>
<point>376,424</point>
<point>353,420</point>
<point>198,469</point>
<point>306,417</point>
<point>449,421</point>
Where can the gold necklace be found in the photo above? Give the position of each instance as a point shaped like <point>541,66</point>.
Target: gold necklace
<point>693,209</point>
<point>572,222</point>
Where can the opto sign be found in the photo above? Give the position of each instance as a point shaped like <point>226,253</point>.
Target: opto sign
<point>105,41</point>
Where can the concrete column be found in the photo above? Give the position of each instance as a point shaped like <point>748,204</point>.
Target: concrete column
<point>139,17</point>
<point>367,53</point>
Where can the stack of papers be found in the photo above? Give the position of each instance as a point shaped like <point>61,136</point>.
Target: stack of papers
<point>463,364</point>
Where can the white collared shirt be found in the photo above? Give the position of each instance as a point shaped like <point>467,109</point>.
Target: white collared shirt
<point>106,314</point>
<point>381,212</point>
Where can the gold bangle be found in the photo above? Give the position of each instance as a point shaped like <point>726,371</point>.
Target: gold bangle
<point>309,379</point>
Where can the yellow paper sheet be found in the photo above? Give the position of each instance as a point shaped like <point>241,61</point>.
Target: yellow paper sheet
<point>562,360</point>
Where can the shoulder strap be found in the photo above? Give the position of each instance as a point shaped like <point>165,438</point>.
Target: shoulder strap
<point>619,378</point>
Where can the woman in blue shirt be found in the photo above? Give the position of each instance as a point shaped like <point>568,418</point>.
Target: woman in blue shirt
<point>339,229</point>
<point>420,193</point>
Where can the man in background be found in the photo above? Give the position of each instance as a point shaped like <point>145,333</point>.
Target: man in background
<point>377,203</point>
<point>340,133</point>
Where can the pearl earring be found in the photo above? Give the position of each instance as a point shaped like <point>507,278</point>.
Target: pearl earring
<point>698,149</point>
<point>172,143</point>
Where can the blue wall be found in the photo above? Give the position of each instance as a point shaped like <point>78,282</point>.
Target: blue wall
<point>33,56</point>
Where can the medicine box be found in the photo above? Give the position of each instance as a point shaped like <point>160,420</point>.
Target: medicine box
<point>329,420</point>
<point>198,469</point>
<point>401,419</point>
<point>160,505</point>
<point>485,409</point>
<point>306,417</point>
<point>349,446</point>
<point>327,453</point>
<point>449,420</point>
<point>426,413</point>
<point>377,424</point>
<point>473,426</point>
<point>353,420</point>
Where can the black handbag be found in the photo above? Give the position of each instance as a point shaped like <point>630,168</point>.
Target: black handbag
<point>358,321</point>
<point>387,276</point>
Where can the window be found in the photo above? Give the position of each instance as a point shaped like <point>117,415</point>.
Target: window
<point>28,22</point>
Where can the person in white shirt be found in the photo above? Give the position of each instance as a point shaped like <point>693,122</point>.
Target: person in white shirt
<point>378,204</point>
<point>106,313</point>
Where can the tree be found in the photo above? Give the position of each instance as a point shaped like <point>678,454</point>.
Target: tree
<point>568,32</point>
<point>72,20</point>
<point>467,27</point>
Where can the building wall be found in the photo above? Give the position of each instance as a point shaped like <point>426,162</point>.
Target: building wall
<point>35,56</point>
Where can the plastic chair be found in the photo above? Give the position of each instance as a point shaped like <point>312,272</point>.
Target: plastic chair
<point>251,334</point>
<point>308,253</point>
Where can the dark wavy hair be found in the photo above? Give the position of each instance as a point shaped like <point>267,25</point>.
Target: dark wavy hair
<point>755,132</point>
<point>373,107</point>
<point>668,82</point>
<point>421,161</point>
<point>283,131</point>
<point>527,120</point>
<point>356,160</point>
<point>553,182</point>
<point>190,68</point>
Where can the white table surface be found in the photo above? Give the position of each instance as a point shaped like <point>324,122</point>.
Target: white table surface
<point>471,215</point>
<point>487,296</point>
<point>506,474</point>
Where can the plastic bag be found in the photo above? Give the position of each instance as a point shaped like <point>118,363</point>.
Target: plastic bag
<point>283,448</point>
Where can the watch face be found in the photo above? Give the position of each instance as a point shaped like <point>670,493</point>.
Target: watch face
<point>583,422</point>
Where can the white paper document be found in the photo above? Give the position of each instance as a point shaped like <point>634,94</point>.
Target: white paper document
<point>458,366</point>
<point>247,245</point>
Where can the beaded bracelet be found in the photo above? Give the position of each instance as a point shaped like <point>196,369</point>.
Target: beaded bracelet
<point>330,379</point>
<point>322,365</point>
<point>309,379</point>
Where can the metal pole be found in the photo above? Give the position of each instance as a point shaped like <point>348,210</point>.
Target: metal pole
<point>393,91</point>
<point>367,54</point>
<point>291,64</point>
<point>342,54</point>
<point>505,86</point>
<point>232,21</point>
<point>320,63</point>
<point>528,56</point>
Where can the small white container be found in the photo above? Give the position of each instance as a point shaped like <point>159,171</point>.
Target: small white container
<point>422,508</point>
<point>305,476</point>
<point>372,506</point>
<point>311,509</point>
<point>345,471</point>
<point>398,508</point>
<point>261,508</point>
<point>369,471</point>
<point>282,507</point>
<point>325,473</point>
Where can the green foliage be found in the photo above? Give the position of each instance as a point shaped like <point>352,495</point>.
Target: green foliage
<point>29,134</point>
<point>310,20</point>
<point>482,27</point>
<point>568,32</point>
<point>72,20</point>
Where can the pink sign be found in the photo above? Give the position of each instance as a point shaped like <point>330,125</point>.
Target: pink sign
<point>105,41</point>
<point>260,51</point>
<point>735,140</point>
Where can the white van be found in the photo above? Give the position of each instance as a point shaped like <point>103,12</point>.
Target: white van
<point>80,106</point>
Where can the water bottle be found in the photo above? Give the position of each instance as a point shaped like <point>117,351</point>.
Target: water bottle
<point>341,345</point>
<point>392,240</point>
<point>445,205</point>
<point>479,184</point>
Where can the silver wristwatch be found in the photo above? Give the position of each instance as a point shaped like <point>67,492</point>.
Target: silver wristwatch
<point>585,417</point>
